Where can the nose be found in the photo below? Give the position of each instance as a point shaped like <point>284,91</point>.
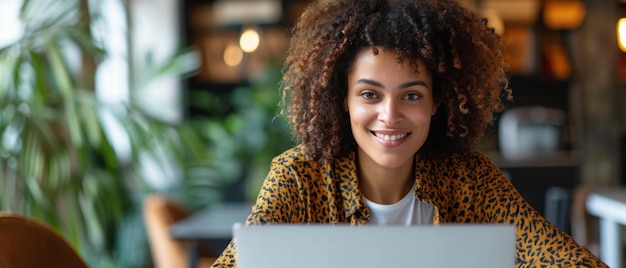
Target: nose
<point>389,112</point>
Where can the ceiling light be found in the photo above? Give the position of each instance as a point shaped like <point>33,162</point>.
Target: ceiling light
<point>233,55</point>
<point>249,40</point>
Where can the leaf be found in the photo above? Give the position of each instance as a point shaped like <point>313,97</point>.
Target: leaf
<point>59,169</point>
<point>40,202</point>
<point>93,226</point>
<point>72,219</point>
<point>111,161</point>
<point>32,156</point>
<point>65,166</point>
<point>65,85</point>
<point>39,69</point>
<point>59,14</point>
<point>85,41</point>
<point>54,172</point>
<point>61,72</point>
<point>9,74</point>
<point>181,63</point>
<point>10,187</point>
<point>17,73</point>
<point>91,123</point>
<point>73,124</point>
<point>42,126</point>
<point>193,142</point>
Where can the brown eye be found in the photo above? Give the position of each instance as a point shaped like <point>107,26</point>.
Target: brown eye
<point>368,95</point>
<point>412,96</point>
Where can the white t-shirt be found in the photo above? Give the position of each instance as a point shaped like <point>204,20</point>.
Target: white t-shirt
<point>408,211</point>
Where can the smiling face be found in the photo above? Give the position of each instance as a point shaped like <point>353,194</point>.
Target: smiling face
<point>390,108</point>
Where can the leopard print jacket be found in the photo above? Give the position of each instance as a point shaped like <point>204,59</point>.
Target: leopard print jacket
<point>466,188</point>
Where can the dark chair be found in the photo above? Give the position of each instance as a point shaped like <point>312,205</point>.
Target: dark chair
<point>28,242</point>
<point>558,207</point>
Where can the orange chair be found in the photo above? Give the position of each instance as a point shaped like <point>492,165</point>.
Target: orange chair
<point>160,212</point>
<point>27,242</point>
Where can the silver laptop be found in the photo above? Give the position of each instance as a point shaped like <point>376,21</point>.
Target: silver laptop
<point>334,246</point>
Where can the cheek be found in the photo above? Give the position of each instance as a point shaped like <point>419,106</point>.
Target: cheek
<point>421,117</point>
<point>426,120</point>
<point>424,116</point>
<point>422,122</point>
<point>360,115</point>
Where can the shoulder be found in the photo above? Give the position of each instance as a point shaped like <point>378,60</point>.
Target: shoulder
<point>293,156</point>
<point>466,168</point>
<point>294,160</point>
<point>471,161</point>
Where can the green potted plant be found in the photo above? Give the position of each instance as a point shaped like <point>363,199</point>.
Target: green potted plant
<point>58,161</point>
<point>247,119</point>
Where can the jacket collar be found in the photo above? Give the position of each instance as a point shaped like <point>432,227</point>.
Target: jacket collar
<point>355,209</point>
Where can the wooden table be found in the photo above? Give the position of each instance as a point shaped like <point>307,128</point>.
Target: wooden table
<point>212,224</point>
<point>609,204</point>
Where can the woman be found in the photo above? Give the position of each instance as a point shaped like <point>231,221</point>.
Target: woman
<point>387,99</point>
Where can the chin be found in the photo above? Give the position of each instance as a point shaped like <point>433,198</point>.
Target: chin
<point>392,162</point>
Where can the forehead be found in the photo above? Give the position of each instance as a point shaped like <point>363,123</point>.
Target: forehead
<point>384,58</point>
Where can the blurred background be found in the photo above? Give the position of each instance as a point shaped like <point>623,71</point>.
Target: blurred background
<point>106,102</point>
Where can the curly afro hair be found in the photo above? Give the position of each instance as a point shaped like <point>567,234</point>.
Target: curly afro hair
<point>464,55</point>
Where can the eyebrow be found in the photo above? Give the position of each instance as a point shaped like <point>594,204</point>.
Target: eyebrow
<point>378,84</point>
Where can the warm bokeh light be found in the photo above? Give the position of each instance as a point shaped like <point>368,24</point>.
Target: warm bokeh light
<point>249,40</point>
<point>621,34</point>
<point>514,12</point>
<point>233,55</point>
<point>564,15</point>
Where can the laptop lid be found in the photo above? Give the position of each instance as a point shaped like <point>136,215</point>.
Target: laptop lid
<point>334,246</point>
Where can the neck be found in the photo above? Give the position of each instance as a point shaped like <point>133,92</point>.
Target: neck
<point>384,185</point>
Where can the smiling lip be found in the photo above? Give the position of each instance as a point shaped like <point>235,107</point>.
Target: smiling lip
<point>390,138</point>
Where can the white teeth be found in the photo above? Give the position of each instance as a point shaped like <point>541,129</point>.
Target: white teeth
<point>390,137</point>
